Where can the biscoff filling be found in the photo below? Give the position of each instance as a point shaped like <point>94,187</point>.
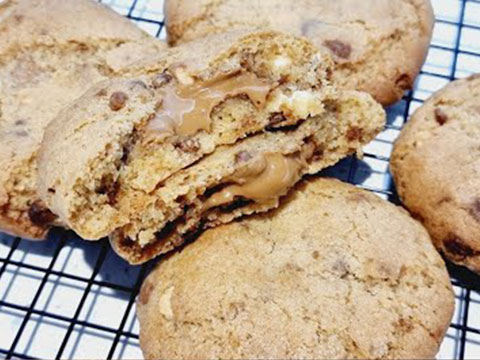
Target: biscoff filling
<point>185,108</point>
<point>264,180</point>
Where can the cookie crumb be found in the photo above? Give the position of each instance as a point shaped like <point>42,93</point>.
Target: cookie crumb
<point>339,48</point>
<point>118,100</point>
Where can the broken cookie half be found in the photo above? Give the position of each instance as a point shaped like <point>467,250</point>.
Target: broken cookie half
<point>208,132</point>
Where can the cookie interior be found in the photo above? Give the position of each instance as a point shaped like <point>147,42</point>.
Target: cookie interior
<point>130,134</point>
<point>139,135</point>
<point>247,177</point>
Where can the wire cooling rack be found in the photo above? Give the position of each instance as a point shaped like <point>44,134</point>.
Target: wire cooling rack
<point>67,298</point>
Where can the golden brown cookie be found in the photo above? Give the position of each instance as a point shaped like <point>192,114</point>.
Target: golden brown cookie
<point>379,46</point>
<point>334,273</point>
<point>192,142</point>
<point>51,51</point>
<point>436,166</point>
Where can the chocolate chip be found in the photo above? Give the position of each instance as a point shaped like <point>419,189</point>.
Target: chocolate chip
<point>404,82</point>
<point>118,100</point>
<point>109,187</point>
<point>161,80</point>
<point>129,145</point>
<point>20,122</point>
<point>51,191</point>
<point>354,134</point>
<point>112,194</point>
<point>187,145</point>
<point>127,242</point>
<point>182,199</point>
<point>243,156</point>
<point>440,116</point>
<point>125,154</point>
<point>101,93</point>
<point>40,215</point>
<point>275,119</point>
<point>475,210</point>
<point>318,153</point>
<point>455,246</point>
<point>339,48</point>
<point>315,255</point>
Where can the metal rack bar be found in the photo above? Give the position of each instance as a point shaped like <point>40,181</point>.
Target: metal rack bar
<point>74,319</point>
<point>35,299</point>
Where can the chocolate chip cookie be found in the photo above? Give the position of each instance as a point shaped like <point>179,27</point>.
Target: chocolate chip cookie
<point>333,273</point>
<point>379,46</point>
<point>436,167</point>
<point>188,142</point>
<point>51,51</point>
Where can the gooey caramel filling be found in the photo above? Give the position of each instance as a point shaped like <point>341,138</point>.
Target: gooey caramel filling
<point>186,109</point>
<point>265,180</point>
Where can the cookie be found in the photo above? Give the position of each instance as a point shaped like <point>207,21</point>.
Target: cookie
<point>51,51</point>
<point>335,272</point>
<point>435,164</point>
<point>187,143</point>
<point>379,46</point>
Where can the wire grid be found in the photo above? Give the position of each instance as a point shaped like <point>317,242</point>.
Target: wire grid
<point>67,298</point>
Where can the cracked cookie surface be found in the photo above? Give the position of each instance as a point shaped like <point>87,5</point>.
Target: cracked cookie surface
<point>334,272</point>
<point>379,46</point>
<point>51,51</point>
<point>436,167</point>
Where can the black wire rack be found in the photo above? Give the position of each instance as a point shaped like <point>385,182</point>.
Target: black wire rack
<point>67,298</point>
